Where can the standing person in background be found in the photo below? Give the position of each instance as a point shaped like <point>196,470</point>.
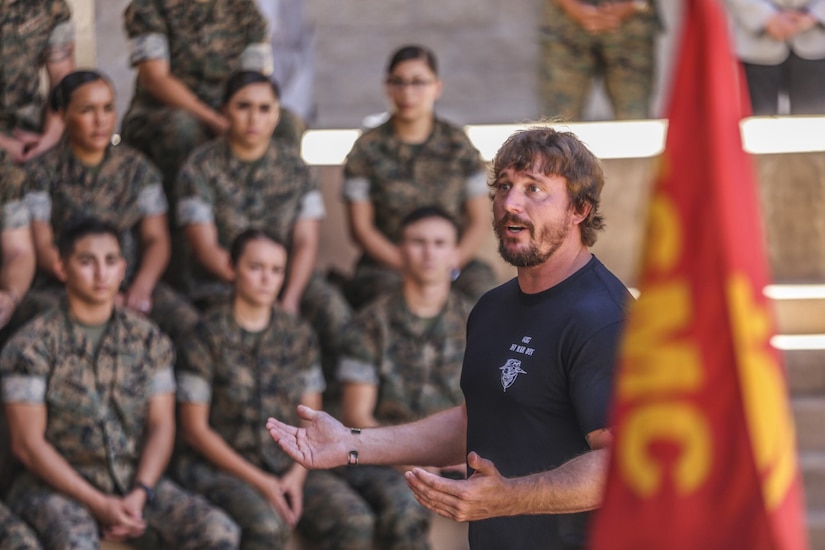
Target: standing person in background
<point>88,389</point>
<point>245,180</point>
<point>585,39</point>
<point>85,175</point>
<point>537,373</point>
<point>414,159</point>
<point>34,35</point>
<point>293,54</point>
<point>184,51</point>
<point>246,359</point>
<point>401,361</point>
<point>782,47</point>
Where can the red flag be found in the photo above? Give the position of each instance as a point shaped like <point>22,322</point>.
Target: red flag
<point>705,452</point>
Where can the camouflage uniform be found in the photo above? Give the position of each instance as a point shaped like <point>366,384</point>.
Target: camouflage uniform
<point>204,42</point>
<point>122,190</point>
<point>272,193</point>
<point>28,30</point>
<point>13,215</point>
<point>13,212</point>
<point>446,170</point>
<point>571,57</point>
<point>14,534</point>
<point>244,378</point>
<point>416,364</point>
<point>97,402</point>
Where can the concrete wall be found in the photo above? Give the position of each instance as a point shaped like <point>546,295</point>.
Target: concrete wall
<point>487,49</point>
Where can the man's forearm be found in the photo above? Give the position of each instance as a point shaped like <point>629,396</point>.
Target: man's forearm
<point>438,440</point>
<point>575,486</point>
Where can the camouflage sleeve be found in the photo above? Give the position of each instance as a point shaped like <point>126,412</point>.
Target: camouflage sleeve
<point>195,200</point>
<point>258,57</point>
<point>36,191</point>
<point>160,354</point>
<point>14,215</point>
<point>359,351</point>
<point>24,368</point>
<point>152,200</point>
<point>39,206</point>
<point>314,380</point>
<point>147,30</point>
<point>13,210</point>
<point>195,368</point>
<point>163,381</point>
<point>464,152</point>
<point>476,185</point>
<point>62,35</point>
<point>357,174</point>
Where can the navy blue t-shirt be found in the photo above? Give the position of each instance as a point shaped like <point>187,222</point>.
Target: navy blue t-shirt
<point>537,378</point>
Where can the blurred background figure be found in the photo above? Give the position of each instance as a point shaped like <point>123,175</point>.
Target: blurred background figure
<point>414,159</point>
<point>36,34</point>
<point>613,40</point>
<point>782,47</point>
<point>293,54</point>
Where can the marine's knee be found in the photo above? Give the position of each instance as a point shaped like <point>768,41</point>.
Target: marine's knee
<point>265,533</point>
<point>217,531</point>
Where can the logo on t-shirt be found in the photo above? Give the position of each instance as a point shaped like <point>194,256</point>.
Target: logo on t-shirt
<point>510,371</point>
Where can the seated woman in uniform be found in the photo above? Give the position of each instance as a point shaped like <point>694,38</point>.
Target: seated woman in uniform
<point>246,180</point>
<point>414,159</point>
<point>85,175</point>
<point>248,359</point>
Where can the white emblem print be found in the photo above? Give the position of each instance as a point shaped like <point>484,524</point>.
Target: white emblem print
<point>510,371</point>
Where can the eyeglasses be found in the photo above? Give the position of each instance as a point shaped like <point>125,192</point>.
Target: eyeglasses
<point>416,84</point>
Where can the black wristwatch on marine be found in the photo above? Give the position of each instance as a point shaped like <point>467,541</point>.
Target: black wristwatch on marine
<point>150,491</point>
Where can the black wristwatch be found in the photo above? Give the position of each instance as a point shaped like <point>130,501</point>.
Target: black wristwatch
<point>150,492</point>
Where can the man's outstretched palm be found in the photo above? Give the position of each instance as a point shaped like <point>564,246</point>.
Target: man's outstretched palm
<point>320,444</point>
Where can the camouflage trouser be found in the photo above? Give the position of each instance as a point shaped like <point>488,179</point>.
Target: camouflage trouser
<point>14,534</point>
<point>570,57</point>
<point>175,519</point>
<point>170,311</point>
<point>372,280</point>
<point>333,515</point>
<point>401,523</point>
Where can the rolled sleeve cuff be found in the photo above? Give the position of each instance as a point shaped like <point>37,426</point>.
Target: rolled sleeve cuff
<point>312,206</point>
<point>62,35</point>
<point>149,46</point>
<point>15,215</point>
<point>39,205</point>
<point>163,381</point>
<point>476,185</point>
<point>314,381</point>
<point>193,389</point>
<point>24,389</point>
<point>258,57</point>
<point>352,370</point>
<point>152,201</point>
<point>356,189</point>
<point>192,210</point>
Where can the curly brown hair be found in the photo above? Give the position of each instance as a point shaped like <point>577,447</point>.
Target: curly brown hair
<point>560,154</point>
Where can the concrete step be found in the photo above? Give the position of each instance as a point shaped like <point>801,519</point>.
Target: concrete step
<point>809,416</point>
<point>806,371</point>
<point>812,467</point>
<point>816,528</point>
<point>799,316</point>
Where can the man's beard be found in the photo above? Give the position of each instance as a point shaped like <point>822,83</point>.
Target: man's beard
<point>531,256</point>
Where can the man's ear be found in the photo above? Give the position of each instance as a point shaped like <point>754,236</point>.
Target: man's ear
<point>580,214</point>
<point>60,270</point>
